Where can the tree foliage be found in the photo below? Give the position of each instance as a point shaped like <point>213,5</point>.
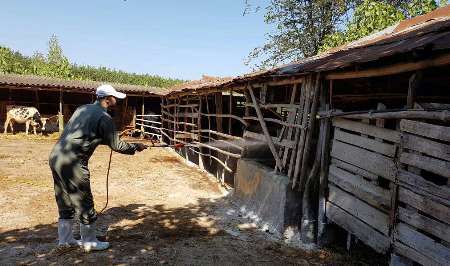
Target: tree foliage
<point>302,28</point>
<point>372,16</point>
<point>55,64</point>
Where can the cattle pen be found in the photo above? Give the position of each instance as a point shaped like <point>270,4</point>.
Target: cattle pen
<point>351,143</point>
<point>57,98</point>
<point>357,137</point>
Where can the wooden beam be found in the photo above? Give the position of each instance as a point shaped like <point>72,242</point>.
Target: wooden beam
<point>273,120</point>
<point>265,130</point>
<point>217,133</point>
<point>227,115</point>
<point>443,115</point>
<point>392,69</point>
<point>234,155</point>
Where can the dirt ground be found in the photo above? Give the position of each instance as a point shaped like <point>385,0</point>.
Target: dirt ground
<point>161,211</point>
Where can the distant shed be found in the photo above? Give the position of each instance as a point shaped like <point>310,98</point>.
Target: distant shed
<point>52,95</point>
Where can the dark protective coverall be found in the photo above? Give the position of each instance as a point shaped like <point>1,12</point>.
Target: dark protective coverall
<point>88,127</point>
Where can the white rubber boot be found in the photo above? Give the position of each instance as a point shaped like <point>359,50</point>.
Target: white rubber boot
<point>88,239</point>
<point>65,236</point>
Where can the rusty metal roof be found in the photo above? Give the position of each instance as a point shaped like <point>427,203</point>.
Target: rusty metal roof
<point>431,30</point>
<point>205,82</point>
<point>76,85</point>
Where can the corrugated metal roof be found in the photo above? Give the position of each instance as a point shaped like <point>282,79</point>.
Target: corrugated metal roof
<point>431,30</point>
<point>82,85</point>
<point>205,82</point>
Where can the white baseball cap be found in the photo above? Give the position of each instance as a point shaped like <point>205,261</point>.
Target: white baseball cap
<point>108,90</point>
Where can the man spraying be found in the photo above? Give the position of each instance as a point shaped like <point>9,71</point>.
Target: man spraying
<point>89,126</point>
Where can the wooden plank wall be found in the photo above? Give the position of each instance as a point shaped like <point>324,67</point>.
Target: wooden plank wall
<point>390,188</point>
<point>361,176</point>
<point>423,229</point>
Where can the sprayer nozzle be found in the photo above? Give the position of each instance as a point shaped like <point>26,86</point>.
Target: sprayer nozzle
<point>179,145</point>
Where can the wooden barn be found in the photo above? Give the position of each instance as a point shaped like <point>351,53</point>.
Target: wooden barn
<point>357,137</point>
<point>52,96</point>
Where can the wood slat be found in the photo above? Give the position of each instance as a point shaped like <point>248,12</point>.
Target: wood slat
<point>359,187</point>
<point>436,228</point>
<point>361,230</point>
<point>433,165</point>
<point>420,183</point>
<point>413,254</point>
<point>354,169</point>
<point>366,143</point>
<point>382,133</point>
<point>273,120</point>
<point>425,204</point>
<point>359,209</point>
<point>275,105</point>
<point>425,129</point>
<point>373,162</point>
<point>224,135</point>
<point>234,155</point>
<point>261,137</point>
<point>226,116</point>
<point>426,146</point>
<point>423,244</point>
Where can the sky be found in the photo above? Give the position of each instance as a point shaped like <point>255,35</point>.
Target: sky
<point>179,39</point>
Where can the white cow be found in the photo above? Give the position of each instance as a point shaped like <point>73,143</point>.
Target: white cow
<point>24,115</point>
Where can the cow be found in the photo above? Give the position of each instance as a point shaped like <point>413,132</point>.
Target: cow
<point>24,115</point>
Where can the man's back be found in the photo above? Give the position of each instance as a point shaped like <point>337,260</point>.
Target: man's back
<point>80,136</point>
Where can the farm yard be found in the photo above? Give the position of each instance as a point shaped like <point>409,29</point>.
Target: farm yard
<point>333,150</point>
<point>160,211</point>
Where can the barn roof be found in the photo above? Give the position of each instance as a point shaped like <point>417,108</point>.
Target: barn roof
<point>73,85</point>
<point>206,81</point>
<point>431,30</point>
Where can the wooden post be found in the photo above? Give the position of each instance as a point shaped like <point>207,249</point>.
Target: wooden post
<point>414,83</point>
<point>231,113</point>
<point>265,130</point>
<point>143,113</point>
<point>60,113</point>
<point>305,112</point>
<point>247,101</point>
<point>36,94</point>
<point>310,132</point>
<point>323,179</point>
<point>218,99</point>
<point>263,94</point>
<point>209,122</point>
<point>199,134</point>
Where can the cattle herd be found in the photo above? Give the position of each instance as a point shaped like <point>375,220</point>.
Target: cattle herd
<point>24,115</point>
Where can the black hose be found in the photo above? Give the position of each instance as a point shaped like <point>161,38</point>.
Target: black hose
<point>107,182</point>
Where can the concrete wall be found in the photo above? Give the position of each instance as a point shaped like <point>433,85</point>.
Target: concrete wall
<point>266,197</point>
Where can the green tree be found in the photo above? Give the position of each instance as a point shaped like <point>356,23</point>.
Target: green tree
<point>59,64</point>
<point>372,16</point>
<point>55,64</point>
<point>302,28</point>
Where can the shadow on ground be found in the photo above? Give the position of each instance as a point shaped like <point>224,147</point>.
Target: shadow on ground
<point>157,235</point>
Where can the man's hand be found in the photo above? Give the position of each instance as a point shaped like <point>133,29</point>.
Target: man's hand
<point>141,147</point>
